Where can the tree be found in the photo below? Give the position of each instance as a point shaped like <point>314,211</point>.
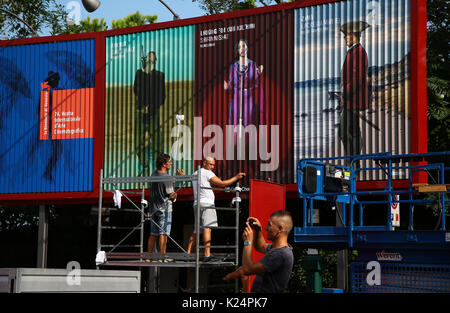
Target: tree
<point>221,6</point>
<point>438,75</point>
<point>39,14</point>
<point>48,14</point>
<point>94,25</point>
<point>214,7</point>
<point>135,19</point>
<point>85,26</point>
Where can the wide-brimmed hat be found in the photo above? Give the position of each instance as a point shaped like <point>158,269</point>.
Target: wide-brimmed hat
<point>354,27</point>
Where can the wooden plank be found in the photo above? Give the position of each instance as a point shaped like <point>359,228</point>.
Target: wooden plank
<point>432,188</point>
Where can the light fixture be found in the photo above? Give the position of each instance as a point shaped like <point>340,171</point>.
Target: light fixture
<point>91,5</point>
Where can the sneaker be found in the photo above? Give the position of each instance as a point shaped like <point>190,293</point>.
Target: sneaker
<point>182,290</point>
<point>209,259</point>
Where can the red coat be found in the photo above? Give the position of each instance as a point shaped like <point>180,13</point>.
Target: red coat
<point>354,85</point>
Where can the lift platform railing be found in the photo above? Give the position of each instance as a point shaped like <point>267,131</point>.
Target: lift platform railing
<point>315,181</point>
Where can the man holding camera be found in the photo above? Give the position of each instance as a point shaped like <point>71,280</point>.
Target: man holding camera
<point>274,269</point>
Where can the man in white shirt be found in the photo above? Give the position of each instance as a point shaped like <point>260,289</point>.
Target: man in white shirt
<point>208,216</point>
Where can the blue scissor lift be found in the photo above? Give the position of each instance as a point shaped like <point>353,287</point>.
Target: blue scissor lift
<point>406,259</point>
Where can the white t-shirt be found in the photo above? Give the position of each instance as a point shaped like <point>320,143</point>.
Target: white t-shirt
<point>206,195</point>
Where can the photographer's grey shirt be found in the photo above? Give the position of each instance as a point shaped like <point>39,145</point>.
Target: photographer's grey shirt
<point>278,264</point>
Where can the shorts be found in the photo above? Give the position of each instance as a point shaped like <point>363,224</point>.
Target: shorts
<point>208,217</point>
<point>164,221</point>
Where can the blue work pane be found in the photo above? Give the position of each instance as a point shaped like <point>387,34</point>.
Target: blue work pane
<point>46,117</point>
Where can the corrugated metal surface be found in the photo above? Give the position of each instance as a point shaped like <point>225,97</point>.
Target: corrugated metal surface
<point>321,77</point>
<point>46,117</point>
<point>302,53</point>
<point>133,138</point>
<point>267,94</point>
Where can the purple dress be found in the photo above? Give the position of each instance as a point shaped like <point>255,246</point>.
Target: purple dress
<point>253,109</point>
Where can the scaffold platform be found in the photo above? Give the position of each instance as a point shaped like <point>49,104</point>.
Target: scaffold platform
<point>108,256</point>
<point>169,259</point>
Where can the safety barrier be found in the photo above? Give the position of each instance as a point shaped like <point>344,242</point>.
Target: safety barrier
<point>400,278</point>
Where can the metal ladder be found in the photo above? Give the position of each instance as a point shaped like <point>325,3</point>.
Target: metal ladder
<point>101,227</point>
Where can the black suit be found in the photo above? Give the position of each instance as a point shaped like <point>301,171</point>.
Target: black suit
<point>150,93</point>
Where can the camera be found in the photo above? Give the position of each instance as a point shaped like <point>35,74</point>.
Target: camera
<point>253,225</point>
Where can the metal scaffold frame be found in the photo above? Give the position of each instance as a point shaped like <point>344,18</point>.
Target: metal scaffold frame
<point>183,259</point>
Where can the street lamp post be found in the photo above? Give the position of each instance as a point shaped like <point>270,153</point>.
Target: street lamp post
<point>92,5</point>
<point>175,16</point>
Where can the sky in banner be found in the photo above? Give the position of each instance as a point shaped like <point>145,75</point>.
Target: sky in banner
<point>385,40</point>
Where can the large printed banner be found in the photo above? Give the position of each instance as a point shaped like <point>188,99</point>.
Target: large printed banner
<point>179,91</point>
<point>149,101</point>
<point>352,78</point>
<point>256,92</point>
<point>46,117</point>
<point>243,89</point>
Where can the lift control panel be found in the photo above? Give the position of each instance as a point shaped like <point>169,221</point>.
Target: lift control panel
<point>320,180</point>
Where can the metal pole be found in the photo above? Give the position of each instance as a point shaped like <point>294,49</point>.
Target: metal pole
<point>175,16</point>
<point>42,237</point>
<point>197,239</point>
<point>341,255</point>
<point>237,237</point>
<point>99,220</point>
<point>442,194</point>
<point>142,220</point>
<point>99,224</point>
<point>389,195</point>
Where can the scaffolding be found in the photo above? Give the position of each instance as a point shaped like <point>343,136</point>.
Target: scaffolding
<point>168,259</point>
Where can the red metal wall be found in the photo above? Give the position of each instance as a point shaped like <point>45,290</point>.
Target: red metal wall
<point>270,35</point>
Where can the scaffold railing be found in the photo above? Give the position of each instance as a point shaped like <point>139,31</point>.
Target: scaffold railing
<point>177,259</point>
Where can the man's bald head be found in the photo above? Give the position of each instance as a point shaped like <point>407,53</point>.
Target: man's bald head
<point>284,219</point>
<point>209,163</point>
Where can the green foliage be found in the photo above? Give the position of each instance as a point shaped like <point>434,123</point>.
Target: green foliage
<point>135,19</point>
<point>297,282</point>
<point>18,218</point>
<point>95,25</point>
<point>39,14</point>
<point>85,26</point>
<point>436,206</point>
<point>214,6</point>
<point>221,6</point>
<point>438,75</point>
<point>48,14</point>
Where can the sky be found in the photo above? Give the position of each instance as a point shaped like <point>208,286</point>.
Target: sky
<point>118,9</point>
